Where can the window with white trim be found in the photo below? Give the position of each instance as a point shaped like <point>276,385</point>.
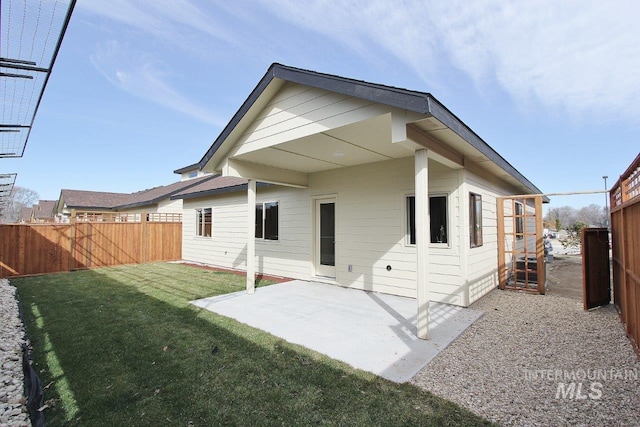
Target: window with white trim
<point>204,222</point>
<point>439,230</point>
<point>267,221</point>
<point>475,220</point>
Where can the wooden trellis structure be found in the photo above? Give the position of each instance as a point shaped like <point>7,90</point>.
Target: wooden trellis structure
<point>521,258</point>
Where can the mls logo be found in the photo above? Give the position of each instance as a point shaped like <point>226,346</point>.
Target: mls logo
<point>575,391</point>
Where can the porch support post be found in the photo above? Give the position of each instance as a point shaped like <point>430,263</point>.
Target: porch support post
<point>251,241</point>
<point>422,239</point>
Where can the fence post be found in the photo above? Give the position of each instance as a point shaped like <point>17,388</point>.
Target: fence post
<point>72,240</point>
<point>502,267</point>
<point>2,260</point>
<point>143,254</point>
<point>624,286</point>
<point>541,269</point>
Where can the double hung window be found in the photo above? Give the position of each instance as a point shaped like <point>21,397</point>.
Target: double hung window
<point>437,211</point>
<point>204,222</point>
<point>475,219</point>
<point>267,221</point>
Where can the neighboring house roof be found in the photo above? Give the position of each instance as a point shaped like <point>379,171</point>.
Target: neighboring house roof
<point>154,195</point>
<point>79,199</point>
<point>410,100</point>
<point>45,209</point>
<point>25,214</point>
<point>218,185</point>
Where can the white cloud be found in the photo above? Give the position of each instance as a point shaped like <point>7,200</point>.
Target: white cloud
<point>578,56</point>
<point>144,77</point>
<point>175,21</point>
<point>189,15</point>
<point>126,12</point>
<point>398,28</point>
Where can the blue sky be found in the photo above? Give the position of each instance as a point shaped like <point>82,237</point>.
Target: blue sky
<point>141,88</point>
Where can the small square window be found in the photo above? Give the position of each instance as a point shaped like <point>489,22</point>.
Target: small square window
<point>204,222</point>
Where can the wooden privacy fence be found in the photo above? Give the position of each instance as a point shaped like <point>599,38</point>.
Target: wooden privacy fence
<point>91,239</point>
<point>625,233</point>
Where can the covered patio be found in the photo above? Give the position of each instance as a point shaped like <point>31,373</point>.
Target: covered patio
<point>352,169</point>
<point>371,331</point>
<point>297,123</point>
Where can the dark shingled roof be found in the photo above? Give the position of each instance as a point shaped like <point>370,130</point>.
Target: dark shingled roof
<point>220,184</point>
<point>80,199</point>
<point>25,214</point>
<point>92,199</point>
<point>154,195</point>
<point>45,209</point>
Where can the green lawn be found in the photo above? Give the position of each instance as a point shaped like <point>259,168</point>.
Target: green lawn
<point>123,346</point>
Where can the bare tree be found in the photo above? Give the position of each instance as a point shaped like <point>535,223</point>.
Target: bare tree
<point>20,197</point>
<point>593,215</point>
<point>566,217</point>
<point>562,217</point>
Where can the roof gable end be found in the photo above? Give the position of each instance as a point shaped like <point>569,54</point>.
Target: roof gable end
<point>417,102</point>
<point>421,103</point>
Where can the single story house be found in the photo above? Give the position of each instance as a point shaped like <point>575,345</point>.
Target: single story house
<point>44,211</point>
<point>361,185</point>
<point>153,200</point>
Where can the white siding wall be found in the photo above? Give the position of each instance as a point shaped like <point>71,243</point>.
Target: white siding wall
<point>445,270</point>
<point>370,230</point>
<point>169,206</point>
<point>151,208</point>
<point>227,247</point>
<point>482,262</point>
<point>297,111</point>
<point>164,206</point>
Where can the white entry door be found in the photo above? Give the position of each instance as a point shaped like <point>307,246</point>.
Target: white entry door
<point>325,238</point>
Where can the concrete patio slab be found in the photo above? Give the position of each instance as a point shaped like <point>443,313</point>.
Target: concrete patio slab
<point>370,331</point>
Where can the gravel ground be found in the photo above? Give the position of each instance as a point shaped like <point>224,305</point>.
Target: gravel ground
<point>13,411</point>
<point>540,360</point>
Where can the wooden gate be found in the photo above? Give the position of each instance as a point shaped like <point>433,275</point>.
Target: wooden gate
<point>596,275</point>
